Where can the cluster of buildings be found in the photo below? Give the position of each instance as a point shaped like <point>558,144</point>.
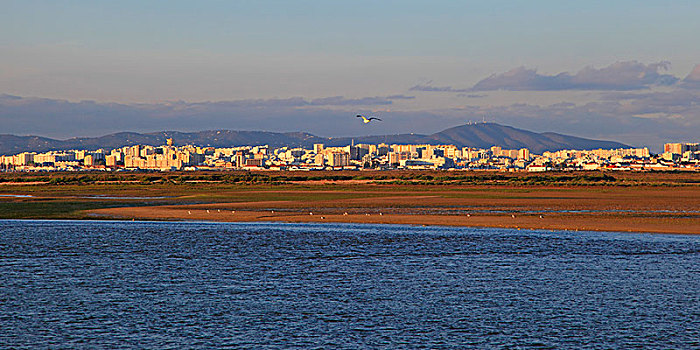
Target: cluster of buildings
<point>676,156</point>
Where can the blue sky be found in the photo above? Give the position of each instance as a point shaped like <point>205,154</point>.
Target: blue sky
<point>155,52</point>
<point>529,30</point>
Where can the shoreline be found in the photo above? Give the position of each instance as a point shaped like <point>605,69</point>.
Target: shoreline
<point>98,219</point>
<point>558,222</point>
<point>653,203</point>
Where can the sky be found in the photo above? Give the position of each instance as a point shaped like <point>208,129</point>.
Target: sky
<point>616,70</point>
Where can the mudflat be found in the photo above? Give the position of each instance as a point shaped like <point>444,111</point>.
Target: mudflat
<point>657,203</point>
<point>608,209</point>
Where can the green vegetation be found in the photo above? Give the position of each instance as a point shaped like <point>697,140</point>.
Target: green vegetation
<point>49,209</point>
<point>70,195</point>
<point>180,181</point>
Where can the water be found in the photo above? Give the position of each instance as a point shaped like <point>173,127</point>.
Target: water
<point>480,210</point>
<point>76,284</point>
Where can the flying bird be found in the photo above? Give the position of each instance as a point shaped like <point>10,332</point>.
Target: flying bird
<point>367,120</point>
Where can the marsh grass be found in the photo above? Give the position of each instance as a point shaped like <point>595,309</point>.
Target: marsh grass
<point>50,209</point>
<point>69,195</point>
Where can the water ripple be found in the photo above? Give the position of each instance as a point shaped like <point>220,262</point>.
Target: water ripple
<point>81,284</point>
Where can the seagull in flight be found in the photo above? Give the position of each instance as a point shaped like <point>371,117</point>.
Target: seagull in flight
<point>367,120</point>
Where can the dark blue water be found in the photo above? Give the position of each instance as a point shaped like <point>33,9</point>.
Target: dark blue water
<point>198,285</point>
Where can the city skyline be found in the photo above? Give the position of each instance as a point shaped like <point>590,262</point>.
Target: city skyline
<point>624,72</point>
<point>361,156</point>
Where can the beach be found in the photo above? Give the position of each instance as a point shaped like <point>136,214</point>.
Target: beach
<point>592,209</point>
<point>629,202</point>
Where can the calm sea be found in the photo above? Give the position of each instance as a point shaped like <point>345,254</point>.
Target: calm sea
<point>81,284</point>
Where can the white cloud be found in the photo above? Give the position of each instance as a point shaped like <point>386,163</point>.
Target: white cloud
<point>630,75</point>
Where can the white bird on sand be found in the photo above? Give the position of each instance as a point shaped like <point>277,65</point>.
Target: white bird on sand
<point>207,210</point>
<point>367,120</point>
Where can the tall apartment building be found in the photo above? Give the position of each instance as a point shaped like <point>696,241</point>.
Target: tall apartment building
<point>111,160</point>
<point>524,154</point>
<point>23,158</point>
<point>641,152</point>
<point>356,152</point>
<point>675,148</point>
<point>320,159</point>
<point>383,149</point>
<point>510,153</point>
<point>680,148</point>
<point>338,159</point>
<point>239,159</point>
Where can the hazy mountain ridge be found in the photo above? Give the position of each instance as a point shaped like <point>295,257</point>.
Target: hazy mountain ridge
<point>482,135</point>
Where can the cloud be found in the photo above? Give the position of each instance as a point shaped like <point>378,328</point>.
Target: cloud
<point>295,102</point>
<point>400,97</point>
<point>692,80</point>
<point>250,103</point>
<point>635,118</point>
<point>630,75</point>
<point>329,116</point>
<point>680,101</point>
<point>342,101</point>
<point>641,118</point>
<point>429,88</point>
<point>472,95</point>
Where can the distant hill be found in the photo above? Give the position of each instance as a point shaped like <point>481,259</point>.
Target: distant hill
<point>485,135</point>
<point>11,144</point>
<point>488,134</point>
<point>482,135</point>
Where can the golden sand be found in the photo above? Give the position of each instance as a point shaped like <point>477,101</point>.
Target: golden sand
<point>650,209</point>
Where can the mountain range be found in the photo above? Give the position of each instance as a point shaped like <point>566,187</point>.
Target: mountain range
<point>478,135</point>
